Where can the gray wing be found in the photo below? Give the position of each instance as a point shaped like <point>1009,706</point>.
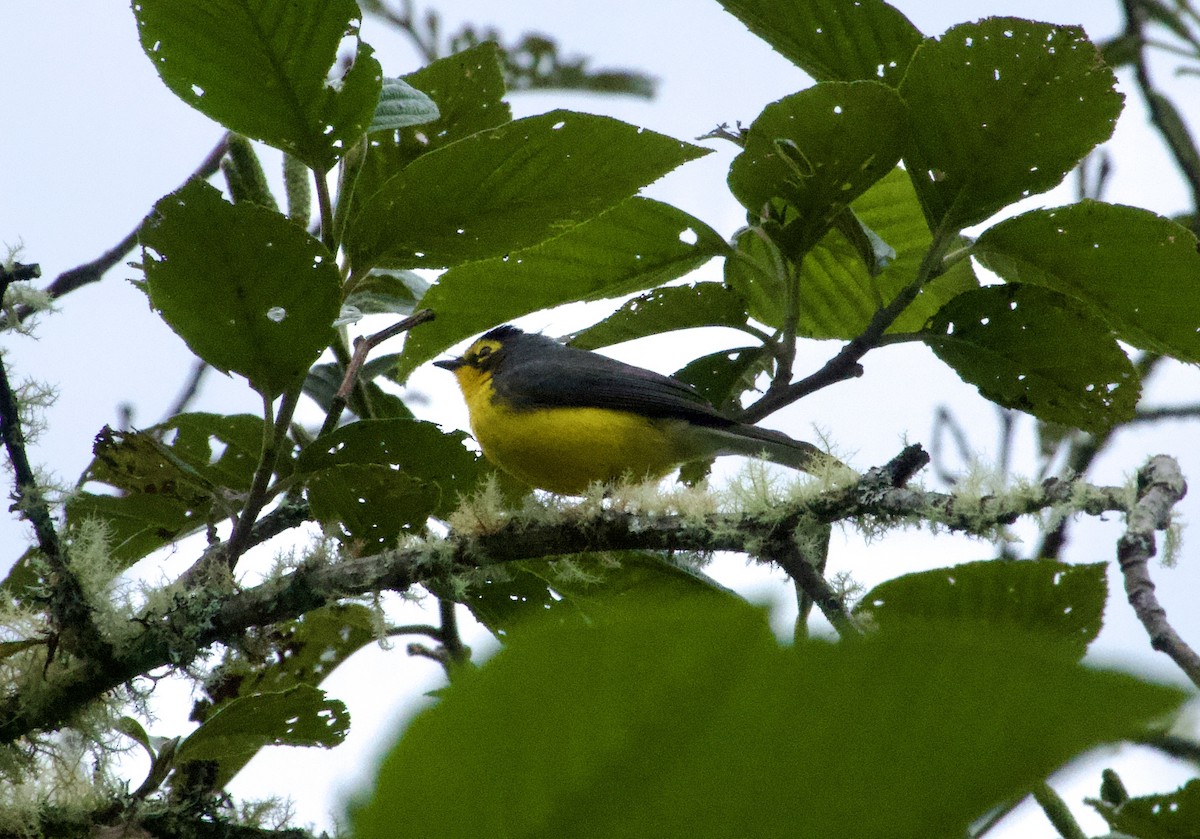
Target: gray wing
<point>556,376</point>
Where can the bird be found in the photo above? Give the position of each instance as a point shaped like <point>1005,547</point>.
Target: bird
<point>561,419</point>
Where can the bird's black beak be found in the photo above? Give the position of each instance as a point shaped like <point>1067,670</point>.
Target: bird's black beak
<point>450,364</point>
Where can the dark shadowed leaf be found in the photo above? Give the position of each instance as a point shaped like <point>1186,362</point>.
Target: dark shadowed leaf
<point>836,40</point>
<point>1138,271</point>
<point>679,719</point>
<point>818,150</point>
<point>1037,350</point>
<point>248,290</point>
<point>508,188</point>
<point>1002,109</point>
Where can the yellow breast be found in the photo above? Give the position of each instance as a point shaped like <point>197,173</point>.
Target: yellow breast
<point>566,449</point>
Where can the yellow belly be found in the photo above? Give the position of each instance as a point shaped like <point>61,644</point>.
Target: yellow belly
<point>566,449</point>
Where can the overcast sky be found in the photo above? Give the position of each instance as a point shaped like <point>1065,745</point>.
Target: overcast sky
<point>92,139</point>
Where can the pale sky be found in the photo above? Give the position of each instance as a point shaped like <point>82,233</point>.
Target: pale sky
<point>93,139</point>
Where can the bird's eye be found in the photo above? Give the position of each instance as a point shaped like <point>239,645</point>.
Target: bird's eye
<point>483,352</point>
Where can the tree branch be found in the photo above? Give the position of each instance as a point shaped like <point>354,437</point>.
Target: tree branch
<point>1160,487</point>
<point>205,615</point>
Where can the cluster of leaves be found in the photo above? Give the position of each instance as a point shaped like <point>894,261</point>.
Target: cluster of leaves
<point>614,715</point>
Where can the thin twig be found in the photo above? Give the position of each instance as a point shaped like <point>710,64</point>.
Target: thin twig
<point>363,348</point>
<point>191,389</point>
<point>1160,487</point>
<point>91,272</point>
<point>845,365</point>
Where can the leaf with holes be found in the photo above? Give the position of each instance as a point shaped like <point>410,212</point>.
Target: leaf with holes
<point>248,291</point>
<point>261,69</point>
<point>508,188</point>
<point>369,505</point>
<point>1171,815</point>
<point>638,244</point>
<point>1062,602</point>
<point>867,39</point>
<point>1138,271</point>
<point>665,310</point>
<point>299,716</point>
<point>1037,350</point>
<point>420,450</point>
<point>818,150</point>
<point>172,479</point>
<point>1002,109</point>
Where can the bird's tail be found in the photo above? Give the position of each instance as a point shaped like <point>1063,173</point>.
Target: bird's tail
<point>752,441</point>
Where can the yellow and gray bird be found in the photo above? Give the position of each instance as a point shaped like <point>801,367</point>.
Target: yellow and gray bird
<point>561,419</point>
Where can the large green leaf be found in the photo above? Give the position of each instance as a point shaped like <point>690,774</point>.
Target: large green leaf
<point>508,188</point>
<point>1139,271</point>
<point>245,288</point>
<point>818,150</point>
<point>833,40</point>
<point>298,716</point>
<point>838,293</point>
<point>261,69</point>
<point>1037,350</point>
<point>665,310</point>
<point>369,505</point>
<point>467,87</point>
<point>638,244</point>
<point>419,450</point>
<point>1062,602</point>
<point>1002,109</point>
<point>687,719</point>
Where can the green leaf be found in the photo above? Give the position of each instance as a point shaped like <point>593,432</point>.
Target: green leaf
<point>722,377</point>
<point>1061,602</point>
<point>1172,815</point>
<point>261,69</point>
<point>467,89</point>
<point>248,291</point>
<point>665,310</point>
<point>818,150</point>
<point>638,244</point>
<point>508,188</point>
<point>369,505</point>
<point>585,590</point>
<point>173,479</point>
<point>308,650</point>
<point>1002,109</point>
<point>324,380</point>
<point>388,293</point>
<point>1137,270</point>
<point>1034,349</point>
<point>833,41</point>
<point>420,450</point>
<point>683,719</point>
<point>838,294</point>
<point>299,716</point>
<point>400,106</point>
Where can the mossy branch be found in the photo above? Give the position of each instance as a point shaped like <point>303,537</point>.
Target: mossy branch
<point>201,616</point>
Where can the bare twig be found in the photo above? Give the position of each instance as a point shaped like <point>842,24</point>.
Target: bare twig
<point>90,272</point>
<point>191,389</point>
<point>1160,487</point>
<point>363,348</point>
